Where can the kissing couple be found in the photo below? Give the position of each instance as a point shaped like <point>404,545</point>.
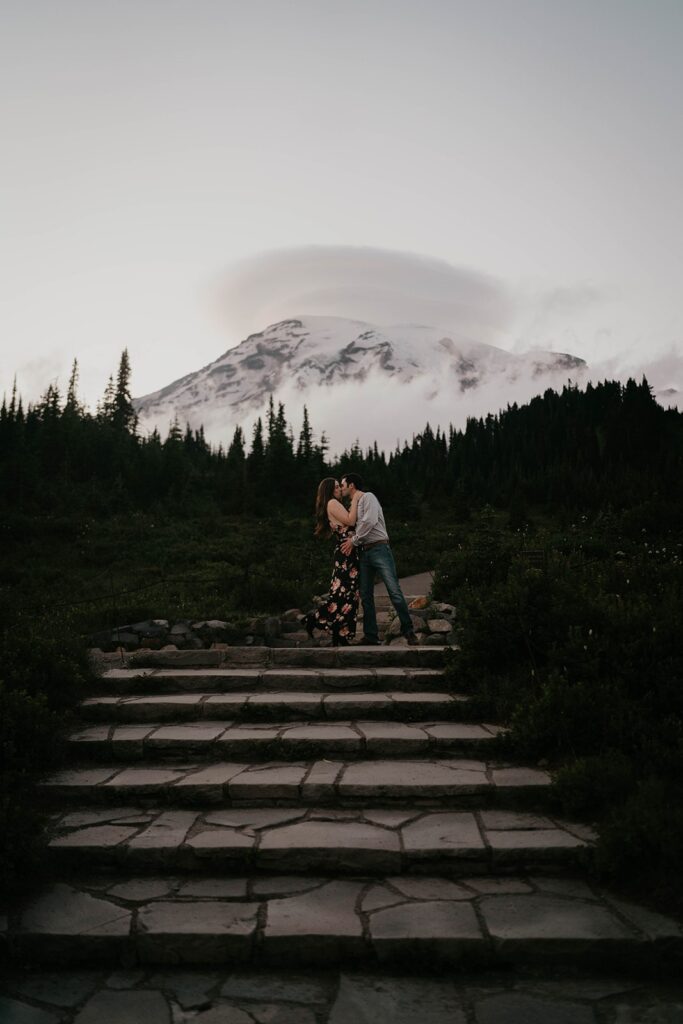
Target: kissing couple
<point>361,554</point>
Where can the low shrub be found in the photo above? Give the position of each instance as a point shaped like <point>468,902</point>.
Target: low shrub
<point>581,657</point>
<point>43,672</point>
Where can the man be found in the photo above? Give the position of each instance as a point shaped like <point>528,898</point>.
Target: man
<point>372,540</point>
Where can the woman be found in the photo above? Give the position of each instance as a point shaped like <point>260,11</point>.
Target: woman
<point>338,614</point>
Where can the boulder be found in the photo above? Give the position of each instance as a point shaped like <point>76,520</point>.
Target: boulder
<point>272,629</point>
<point>152,627</point>
<point>395,627</point>
<point>181,629</point>
<point>439,626</point>
<point>292,615</point>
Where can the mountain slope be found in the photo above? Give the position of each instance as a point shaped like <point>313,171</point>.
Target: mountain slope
<point>303,356</point>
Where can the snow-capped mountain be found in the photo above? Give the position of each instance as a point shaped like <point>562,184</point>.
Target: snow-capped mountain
<point>313,359</point>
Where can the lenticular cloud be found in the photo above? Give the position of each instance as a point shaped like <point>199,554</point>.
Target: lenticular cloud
<point>377,285</point>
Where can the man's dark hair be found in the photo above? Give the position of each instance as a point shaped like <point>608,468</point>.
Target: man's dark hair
<point>355,479</point>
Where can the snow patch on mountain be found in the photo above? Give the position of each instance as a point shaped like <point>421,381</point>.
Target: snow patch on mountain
<point>414,373</point>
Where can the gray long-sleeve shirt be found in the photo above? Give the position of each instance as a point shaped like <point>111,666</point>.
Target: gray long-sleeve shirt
<point>370,525</point>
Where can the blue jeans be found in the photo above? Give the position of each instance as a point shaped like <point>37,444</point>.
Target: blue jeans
<point>379,561</point>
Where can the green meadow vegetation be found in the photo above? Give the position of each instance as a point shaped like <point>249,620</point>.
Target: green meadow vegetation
<point>555,529</point>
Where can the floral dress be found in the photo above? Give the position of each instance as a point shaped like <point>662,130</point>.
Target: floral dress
<point>338,614</point>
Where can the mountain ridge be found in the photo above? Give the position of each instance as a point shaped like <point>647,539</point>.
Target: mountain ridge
<point>306,354</point>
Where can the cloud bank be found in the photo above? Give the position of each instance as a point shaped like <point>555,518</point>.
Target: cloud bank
<point>376,285</point>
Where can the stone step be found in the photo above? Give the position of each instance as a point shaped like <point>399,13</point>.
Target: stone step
<point>349,842</point>
<point>284,706</point>
<point>279,741</point>
<point>426,923</point>
<point>285,995</point>
<point>143,682</point>
<point>354,656</point>
<point>440,782</point>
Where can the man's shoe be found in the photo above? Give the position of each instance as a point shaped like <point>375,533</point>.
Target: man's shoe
<point>366,641</point>
<point>411,638</point>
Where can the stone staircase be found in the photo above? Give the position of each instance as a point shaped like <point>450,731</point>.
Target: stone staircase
<point>312,806</point>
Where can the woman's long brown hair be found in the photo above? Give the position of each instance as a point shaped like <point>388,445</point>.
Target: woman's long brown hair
<point>325,492</point>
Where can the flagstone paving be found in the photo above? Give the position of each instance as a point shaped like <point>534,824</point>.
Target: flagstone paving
<point>243,995</point>
<point>452,781</point>
<point>313,839</point>
<point>323,920</point>
<point>232,818</point>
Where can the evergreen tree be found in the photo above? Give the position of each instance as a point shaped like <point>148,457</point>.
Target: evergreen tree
<point>123,414</point>
<point>73,406</point>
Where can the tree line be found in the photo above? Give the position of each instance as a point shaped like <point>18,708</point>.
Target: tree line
<point>607,444</point>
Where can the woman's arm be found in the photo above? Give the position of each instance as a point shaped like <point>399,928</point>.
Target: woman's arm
<point>338,514</point>
<point>353,510</point>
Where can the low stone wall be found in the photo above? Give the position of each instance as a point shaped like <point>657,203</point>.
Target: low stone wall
<point>433,623</point>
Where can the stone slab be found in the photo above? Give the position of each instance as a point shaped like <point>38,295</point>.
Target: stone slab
<point>320,926</point>
<point>320,782</point>
<point>520,777</point>
<point>202,932</point>
<point>449,833</point>
<point>536,923</point>
<point>331,738</point>
<point>498,886</point>
<point>650,922</point>
<point>277,987</point>
<point>218,705</point>
<point>501,819</point>
<point>425,932</point>
<point>389,818</point>
<point>208,784</point>
<point>215,888</point>
<point>429,888</point>
<point>99,837</point>
<point>190,988</point>
<point>184,739</point>
<point>144,780</point>
<point>65,911</point>
<point>376,779</point>
<point>139,1007</point>
<point>363,999</point>
<point>257,818</point>
<point>380,896</point>
<point>289,703</point>
<point>268,782</point>
<point>545,844</point>
<point>167,832</point>
<point>221,844</point>
<point>390,737</point>
<point>520,1008</point>
<point>14,1011</point>
<point>78,781</point>
<point>339,845</point>
<point>140,890</point>
<point>457,732</point>
<point>350,704</point>
<point>59,988</point>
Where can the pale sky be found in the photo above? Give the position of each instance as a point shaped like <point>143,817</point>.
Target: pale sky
<point>168,165</point>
